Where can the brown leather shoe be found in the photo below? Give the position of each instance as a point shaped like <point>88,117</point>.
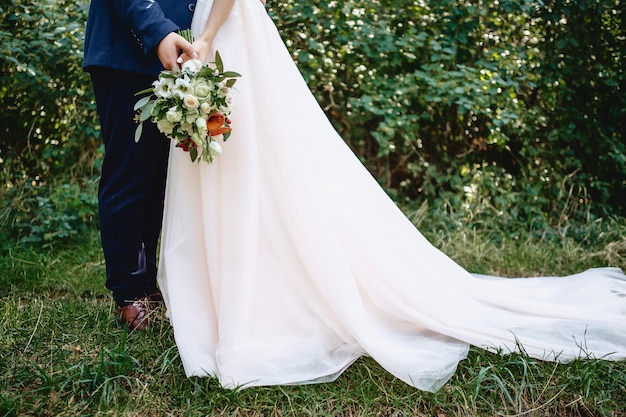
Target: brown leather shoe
<point>155,299</point>
<point>135,314</point>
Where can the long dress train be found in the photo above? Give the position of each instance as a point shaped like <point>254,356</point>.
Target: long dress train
<point>284,260</point>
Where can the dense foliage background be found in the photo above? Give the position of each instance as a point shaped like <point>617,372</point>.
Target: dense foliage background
<point>498,106</point>
<point>499,111</point>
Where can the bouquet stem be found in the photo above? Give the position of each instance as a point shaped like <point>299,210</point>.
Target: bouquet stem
<point>186,33</point>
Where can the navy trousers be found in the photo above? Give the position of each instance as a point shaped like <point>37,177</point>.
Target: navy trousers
<point>132,186</point>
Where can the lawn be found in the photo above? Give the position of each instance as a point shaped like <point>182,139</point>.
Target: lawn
<point>62,353</point>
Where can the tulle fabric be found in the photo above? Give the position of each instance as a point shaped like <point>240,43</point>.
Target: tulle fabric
<point>284,261</point>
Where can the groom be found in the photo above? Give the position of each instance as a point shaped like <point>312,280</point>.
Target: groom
<point>127,44</point>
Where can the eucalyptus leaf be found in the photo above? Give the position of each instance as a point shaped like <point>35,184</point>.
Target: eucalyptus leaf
<point>141,102</point>
<point>146,91</point>
<point>146,111</point>
<point>138,132</point>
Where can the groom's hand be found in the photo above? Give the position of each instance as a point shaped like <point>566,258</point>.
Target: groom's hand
<point>169,51</point>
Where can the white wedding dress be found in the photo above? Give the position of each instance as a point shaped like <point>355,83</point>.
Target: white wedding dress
<point>284,261</point>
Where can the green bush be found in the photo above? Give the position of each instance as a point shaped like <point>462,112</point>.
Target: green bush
<point>48,120</point>
<point>48,124</point>
<point>487,106</point>
<point>43,214</point>
<point>508,112</point>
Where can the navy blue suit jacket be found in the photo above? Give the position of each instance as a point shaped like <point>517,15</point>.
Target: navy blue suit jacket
<point>124,34</point>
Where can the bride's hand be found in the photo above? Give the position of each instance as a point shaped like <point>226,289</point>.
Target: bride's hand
<point>202,47</point>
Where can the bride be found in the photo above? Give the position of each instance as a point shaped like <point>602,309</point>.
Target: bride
<point>284,261</point>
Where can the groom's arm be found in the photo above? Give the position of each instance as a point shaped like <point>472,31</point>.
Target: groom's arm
<point>145,19</point>
<point>153,30</point>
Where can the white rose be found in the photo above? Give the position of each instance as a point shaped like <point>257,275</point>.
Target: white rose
<point>174,115</point>
<point>201,89</point>
<point>201,124</point>
<point>165,126</point>
<point>187,128</point>
<point>191,115</point>
<point>191,102</point>
<point>192,65</point>
<point>205,107</point>
<point>215,148</point>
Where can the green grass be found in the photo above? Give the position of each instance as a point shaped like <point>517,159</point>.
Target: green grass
<point>62,354</point>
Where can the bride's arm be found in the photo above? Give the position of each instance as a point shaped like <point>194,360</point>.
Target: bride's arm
<point>217,16</point>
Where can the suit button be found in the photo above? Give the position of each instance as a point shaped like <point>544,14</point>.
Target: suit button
<point>191,7</point>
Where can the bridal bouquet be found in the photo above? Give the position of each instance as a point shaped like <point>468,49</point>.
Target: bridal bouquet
<point>191,106</point>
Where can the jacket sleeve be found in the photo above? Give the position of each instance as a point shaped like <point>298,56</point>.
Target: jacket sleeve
<point>146,20</point>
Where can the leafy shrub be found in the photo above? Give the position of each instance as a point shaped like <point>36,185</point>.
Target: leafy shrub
<point>48,120</point>
<point>509,112</point>
<point>44,214</point>
<point>48,123</point>
<point>473,103</point>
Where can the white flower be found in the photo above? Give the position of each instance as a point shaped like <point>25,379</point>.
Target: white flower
<point>215,148</point>
<point>201,89</point>
<point>186,128</point>
<point>191,102</point>
<point>174,115</point>
<point>229,100</point>
<point>192,65</point>
<point>205,107</point>
<point>186,100</point>
<point>165,126</point>
<point>201,124</point>
<point>182,86</point>
<point>163,87</point>
<point>191,115</point>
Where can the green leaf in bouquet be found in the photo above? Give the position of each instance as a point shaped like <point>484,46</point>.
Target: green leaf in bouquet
<point>231,74</point>
<point>206,72</point>
<point>218,62</point>
<point>226,136</point>
<point>167,74</point>
<point>193,153</point>
<point>142,102</point>
<point>138,132</point>
<point>146,91</point>
<point>230,82</point>
<point>146,111</point>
